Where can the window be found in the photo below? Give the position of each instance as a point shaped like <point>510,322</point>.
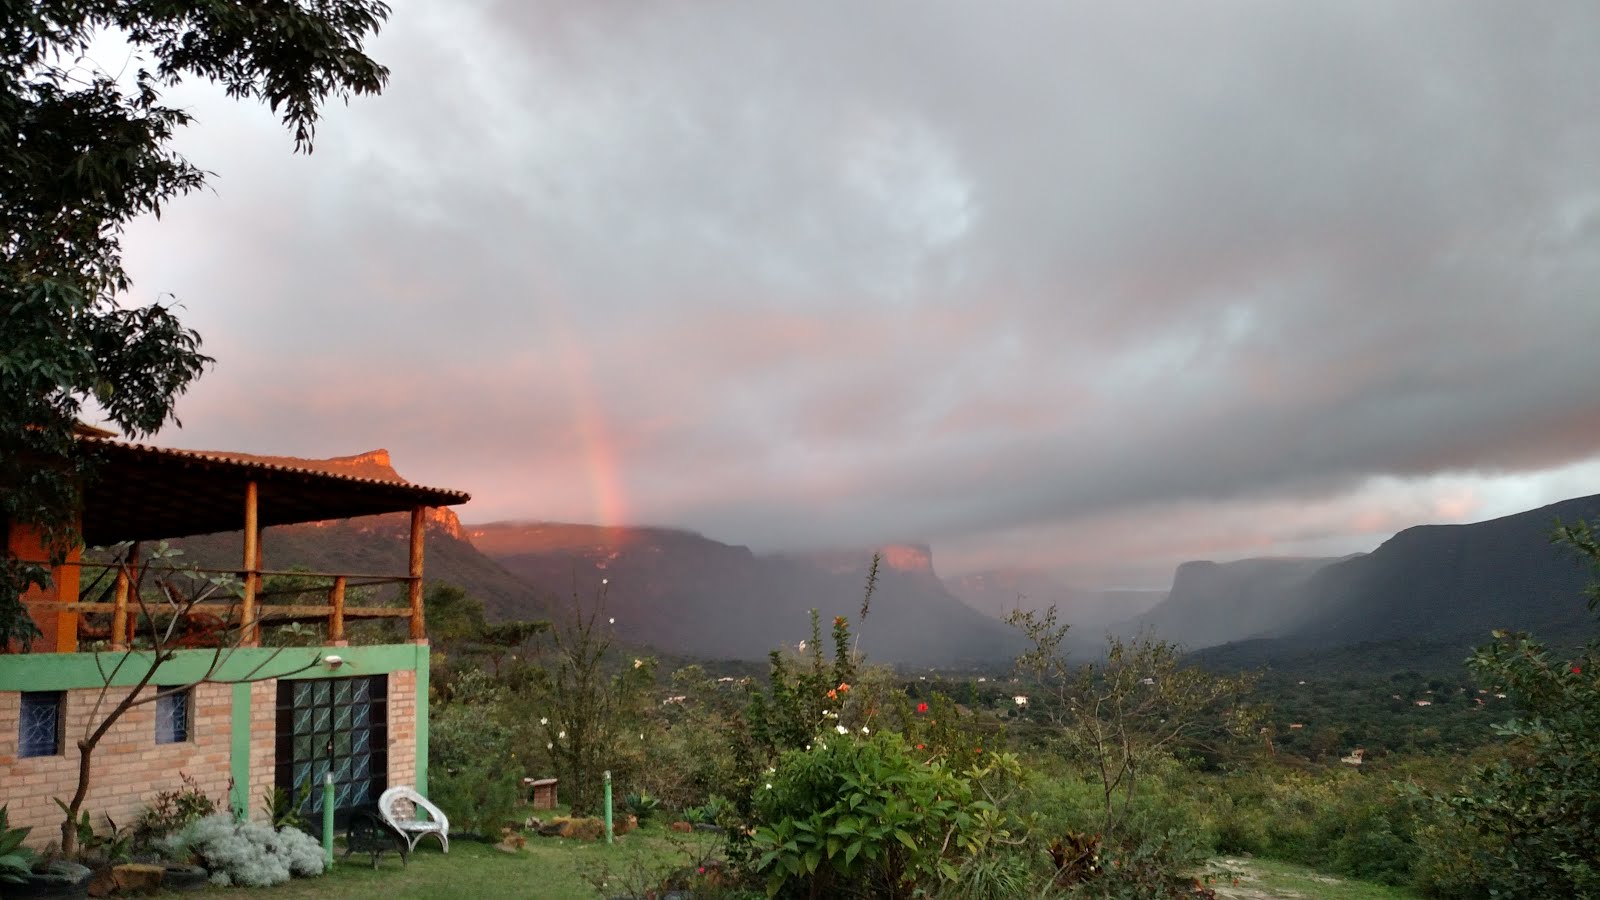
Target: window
<point>337,726</point>
<point>172,717</point>
<point>40,731</point>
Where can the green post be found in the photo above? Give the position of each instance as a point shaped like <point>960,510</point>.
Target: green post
<point>608,806</point>
<point>327,821</point>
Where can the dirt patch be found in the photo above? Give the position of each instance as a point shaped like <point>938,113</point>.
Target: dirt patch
<point>1236,878</point>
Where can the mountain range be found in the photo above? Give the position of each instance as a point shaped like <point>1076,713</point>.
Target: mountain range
<point>680,590</point>
<point>1440,586</point>
<point>1424,597</point>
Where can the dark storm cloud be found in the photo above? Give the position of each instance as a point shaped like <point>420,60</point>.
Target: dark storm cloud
<point>1005,276</point>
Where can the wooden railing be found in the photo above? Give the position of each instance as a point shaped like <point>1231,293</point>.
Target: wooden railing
<point>238,617</point>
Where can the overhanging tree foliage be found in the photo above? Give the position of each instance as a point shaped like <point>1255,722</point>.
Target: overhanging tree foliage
<point>82,153</point>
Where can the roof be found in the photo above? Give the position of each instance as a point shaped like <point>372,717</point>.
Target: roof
<point>139,492</point>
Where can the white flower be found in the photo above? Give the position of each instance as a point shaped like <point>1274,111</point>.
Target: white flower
<point>808,746</point>
<point>801,647</point>
<point>549,746</point>
<point>772,770</point>
<point>561,734</point>
<point>612,620</point>
<point>1020,699</point>
<point>638,663</point>
<point>641,736</point>
<point>865,730</point>
<point>543,721</point>
<point>769,785</point>
<point>841,729</point>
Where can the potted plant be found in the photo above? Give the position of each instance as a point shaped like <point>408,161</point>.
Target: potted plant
<point>15,859</point>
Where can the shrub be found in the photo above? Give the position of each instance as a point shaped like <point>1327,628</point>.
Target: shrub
<point>482,798</point>
<point>641,805</point>
<point>467,730</point>
<point>283,807</point>
<point>171,811</point>
<point>248,854</point>
<point>863,812</point>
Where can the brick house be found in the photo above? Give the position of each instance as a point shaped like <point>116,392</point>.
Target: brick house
<point>267,716</point>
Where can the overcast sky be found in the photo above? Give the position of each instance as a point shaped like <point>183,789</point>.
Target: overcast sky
<point>1090,287</point>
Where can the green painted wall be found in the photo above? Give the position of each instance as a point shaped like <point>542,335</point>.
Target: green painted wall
<point>239,752</point>
<point>422,723</point>
<point>63,671</point>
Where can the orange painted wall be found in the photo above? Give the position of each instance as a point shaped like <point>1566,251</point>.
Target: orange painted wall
<point>59,630</point>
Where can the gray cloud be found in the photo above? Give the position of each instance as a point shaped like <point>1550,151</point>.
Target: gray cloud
<point>804,274</point>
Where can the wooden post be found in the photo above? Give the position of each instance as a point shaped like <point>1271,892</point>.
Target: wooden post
<point>119,611</point>
<point>132,571</point>
<point>252,566</point>
<point>414,586</point>
<point>336,622</point>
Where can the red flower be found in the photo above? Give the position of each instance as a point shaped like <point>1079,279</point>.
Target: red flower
<point>979,750</point>
<point>1577,670</point>
<point>921,747</point>
<point>922,707</point>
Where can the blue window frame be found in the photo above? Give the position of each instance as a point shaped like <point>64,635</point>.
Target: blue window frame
<point>39,733</point>
<point>172,718</point>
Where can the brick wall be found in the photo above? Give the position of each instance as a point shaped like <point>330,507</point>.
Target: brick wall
<point>129,767</point>
<point>263,743</point>
<point>402,728</point>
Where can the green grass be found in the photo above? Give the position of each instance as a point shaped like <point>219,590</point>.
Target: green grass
<point>550,868</point>
<point>1261,879</point>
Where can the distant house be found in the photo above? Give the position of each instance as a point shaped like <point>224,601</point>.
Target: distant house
<point>359,713</point>
<point>1355,758</point>
<point>1424,702</point>
<point>1296,726</point>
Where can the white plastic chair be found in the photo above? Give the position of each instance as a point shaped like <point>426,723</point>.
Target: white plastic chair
<point>399,807</point>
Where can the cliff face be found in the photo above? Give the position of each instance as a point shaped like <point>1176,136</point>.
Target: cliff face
<point>1213,603</point>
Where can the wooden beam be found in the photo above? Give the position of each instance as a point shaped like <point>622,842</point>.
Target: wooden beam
<point>119,612</point>
<point>336,621</point>
<point>252,565</point>
<point>419,629</point>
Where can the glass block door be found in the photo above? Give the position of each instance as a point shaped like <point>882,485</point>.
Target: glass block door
<point>337,725</point>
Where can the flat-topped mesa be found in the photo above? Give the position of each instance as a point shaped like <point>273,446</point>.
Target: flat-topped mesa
<point>912,559</point>
<point>908,557</point>
<point>375,465</point>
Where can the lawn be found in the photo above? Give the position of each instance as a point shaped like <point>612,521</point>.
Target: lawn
<point>550,868</point>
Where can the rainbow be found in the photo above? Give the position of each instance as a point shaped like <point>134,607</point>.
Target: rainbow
<point>599,445</point>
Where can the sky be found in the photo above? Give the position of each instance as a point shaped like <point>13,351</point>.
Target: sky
<point>1088,287</point>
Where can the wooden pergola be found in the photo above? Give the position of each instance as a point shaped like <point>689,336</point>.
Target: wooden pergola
<point>142,493</point>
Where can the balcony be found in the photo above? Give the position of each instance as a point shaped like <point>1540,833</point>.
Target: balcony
<point>140,493</point>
